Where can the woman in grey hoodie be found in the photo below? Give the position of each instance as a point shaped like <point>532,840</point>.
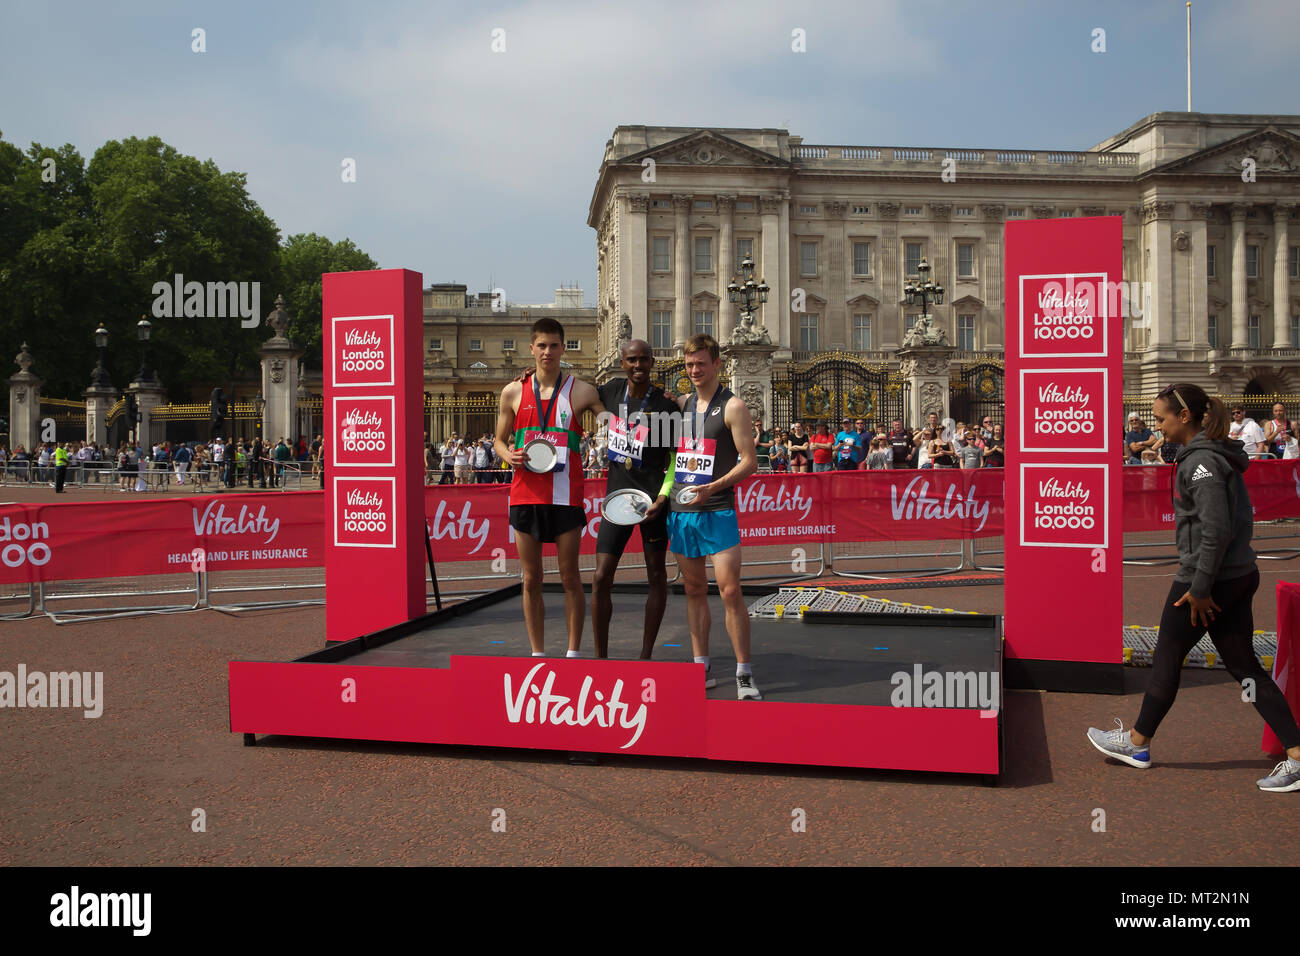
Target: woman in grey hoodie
<point>1216,582</point>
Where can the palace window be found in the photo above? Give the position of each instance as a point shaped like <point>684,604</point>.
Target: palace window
<point>807,210</point>
<point>661,204</point>
<point>703,323</point>
<point>661,330</point>
<point>862,332</point>
<point>1252,262</point>
<point>965,210</point>
<point>744,205</point>
<point>1295,331</point>
<point>1293,262</point>
<point>911,258</point>
<point>1016,213</point>
<point>704,204</point>
<point>808,332</point>
<point>1252,331</point>
<point>1212,331</point>
<point>744,249</point>
<point>808,258</point>
<point>1210,263</point>
<point>911,210</point>
<point>966,332</point>
<point>862,210</point>
<point>662,249</point>
<point>476,345</point>
<point>965,260</point>
<point>507,345</point>
<point>435,345</point>
<point>703,254</point>
<point>862,258</point>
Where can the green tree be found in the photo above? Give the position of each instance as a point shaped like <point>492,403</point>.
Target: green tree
<point>304,258</point>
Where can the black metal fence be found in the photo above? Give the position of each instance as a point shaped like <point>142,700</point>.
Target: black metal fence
<point>835,387</point>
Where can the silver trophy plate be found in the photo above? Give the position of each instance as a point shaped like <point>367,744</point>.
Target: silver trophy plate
<point>626,507</point>
<point>540,456</point>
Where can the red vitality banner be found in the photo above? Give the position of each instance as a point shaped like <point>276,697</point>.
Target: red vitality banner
<point>63,542</point>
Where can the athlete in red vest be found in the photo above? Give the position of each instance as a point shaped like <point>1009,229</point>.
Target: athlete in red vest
<point>547,507</point>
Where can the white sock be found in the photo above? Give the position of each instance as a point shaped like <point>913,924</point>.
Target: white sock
<point>572,654</point>
<point>704,661</point>
<point>742,669</point>
<point>539,653</point>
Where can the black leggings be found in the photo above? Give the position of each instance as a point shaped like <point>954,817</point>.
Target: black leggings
<point>1232,632</point>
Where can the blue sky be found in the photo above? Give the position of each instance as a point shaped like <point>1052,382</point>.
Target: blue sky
<point>475,166</point>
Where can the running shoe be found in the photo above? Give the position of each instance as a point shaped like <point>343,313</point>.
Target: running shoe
<point>745,689</point>
<point>1118,744</point>
<point>1284,778</point>
<point>710,681</point>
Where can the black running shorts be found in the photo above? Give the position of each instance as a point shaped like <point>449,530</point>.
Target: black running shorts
<point>613,538</point>
<point>546,522</point>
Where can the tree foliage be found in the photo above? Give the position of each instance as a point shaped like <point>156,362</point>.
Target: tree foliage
<point>83,244</point>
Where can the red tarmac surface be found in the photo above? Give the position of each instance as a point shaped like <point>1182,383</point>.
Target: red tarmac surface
<point>121,789</point>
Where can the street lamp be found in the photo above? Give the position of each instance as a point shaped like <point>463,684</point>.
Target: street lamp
<point>259,403</point>
<point>99,378</point>
<point>924,290</point>
<point>143,328</point>
<point>747,293</point>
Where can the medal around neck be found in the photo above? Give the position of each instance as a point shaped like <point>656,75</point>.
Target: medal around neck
<point>540,456</point>
<point>626,507</point>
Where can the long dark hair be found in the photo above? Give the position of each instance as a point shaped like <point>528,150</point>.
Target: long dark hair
<point>1207,411</point>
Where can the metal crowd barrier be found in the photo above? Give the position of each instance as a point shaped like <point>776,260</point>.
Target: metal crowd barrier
<point>947,549</point>
<point>49,592</point>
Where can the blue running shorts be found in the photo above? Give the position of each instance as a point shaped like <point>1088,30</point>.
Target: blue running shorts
<point>694,534</point>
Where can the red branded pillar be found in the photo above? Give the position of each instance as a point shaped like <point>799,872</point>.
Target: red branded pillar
<point>1285,671</point>
<point>1064,521</point>
<point>374,414</point>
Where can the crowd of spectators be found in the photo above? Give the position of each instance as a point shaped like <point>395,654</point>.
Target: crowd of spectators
<point>135,467</point>
<point>861,445</point>
<point>1276,438</point>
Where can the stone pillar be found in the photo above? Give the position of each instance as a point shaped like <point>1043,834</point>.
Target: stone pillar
<point>1157,217</point>
<point>279,378</point>
<point>749,368</point>
<point>926,369</point>
<point>99,399</point>
<point>682,286</point>
<point>726,266</point>
<point>891,284</point>
<point>635,267</point>
<point>782,330</point>
<point>992,292</point>
<point>836,330</point>
<point>24,404</point>
<point>148,396</point>
<point>1240,307</point>
<point>941,216</point>
<point>768,268</point>
<point>1281,277</point>
<point>1198,239</point>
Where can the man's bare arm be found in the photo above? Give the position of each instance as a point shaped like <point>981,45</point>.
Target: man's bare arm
<point>738,419</point>
<point>504,443</point>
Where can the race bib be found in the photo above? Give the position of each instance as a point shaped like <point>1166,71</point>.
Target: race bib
<point>694,461</point>
<point>626,443</point>
<point>559,439</point>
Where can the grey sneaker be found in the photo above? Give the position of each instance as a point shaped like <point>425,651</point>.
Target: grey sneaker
<point>1118,744</point>
<point>745,689</point>
<point>710,681</point>
<point>1284,778</point>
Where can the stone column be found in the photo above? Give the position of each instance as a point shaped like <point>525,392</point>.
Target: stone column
<point>1157,217</point>
<point>926,369</point>
<point>787,339</point>
<point>749,368</point>
<point>768,268</point>
<point>992,291</point>
<point>891,285</point>
<point>99,399</point>
<point>279,378</point>
<point>24,404</point>
<point>682,288</point>
<point>1198,286</point>
<point>836,328</point>
<point>726,266</point>
<point>148,396</point>
<point>1240,307</point>
<point>1281,277</point>
<point>635,268</point>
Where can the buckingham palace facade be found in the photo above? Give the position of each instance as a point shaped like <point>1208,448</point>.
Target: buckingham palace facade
<point>1208,203</point>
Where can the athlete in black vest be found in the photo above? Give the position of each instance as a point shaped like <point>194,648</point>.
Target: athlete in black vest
<point>641,442</point>
<point>715,455</point>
